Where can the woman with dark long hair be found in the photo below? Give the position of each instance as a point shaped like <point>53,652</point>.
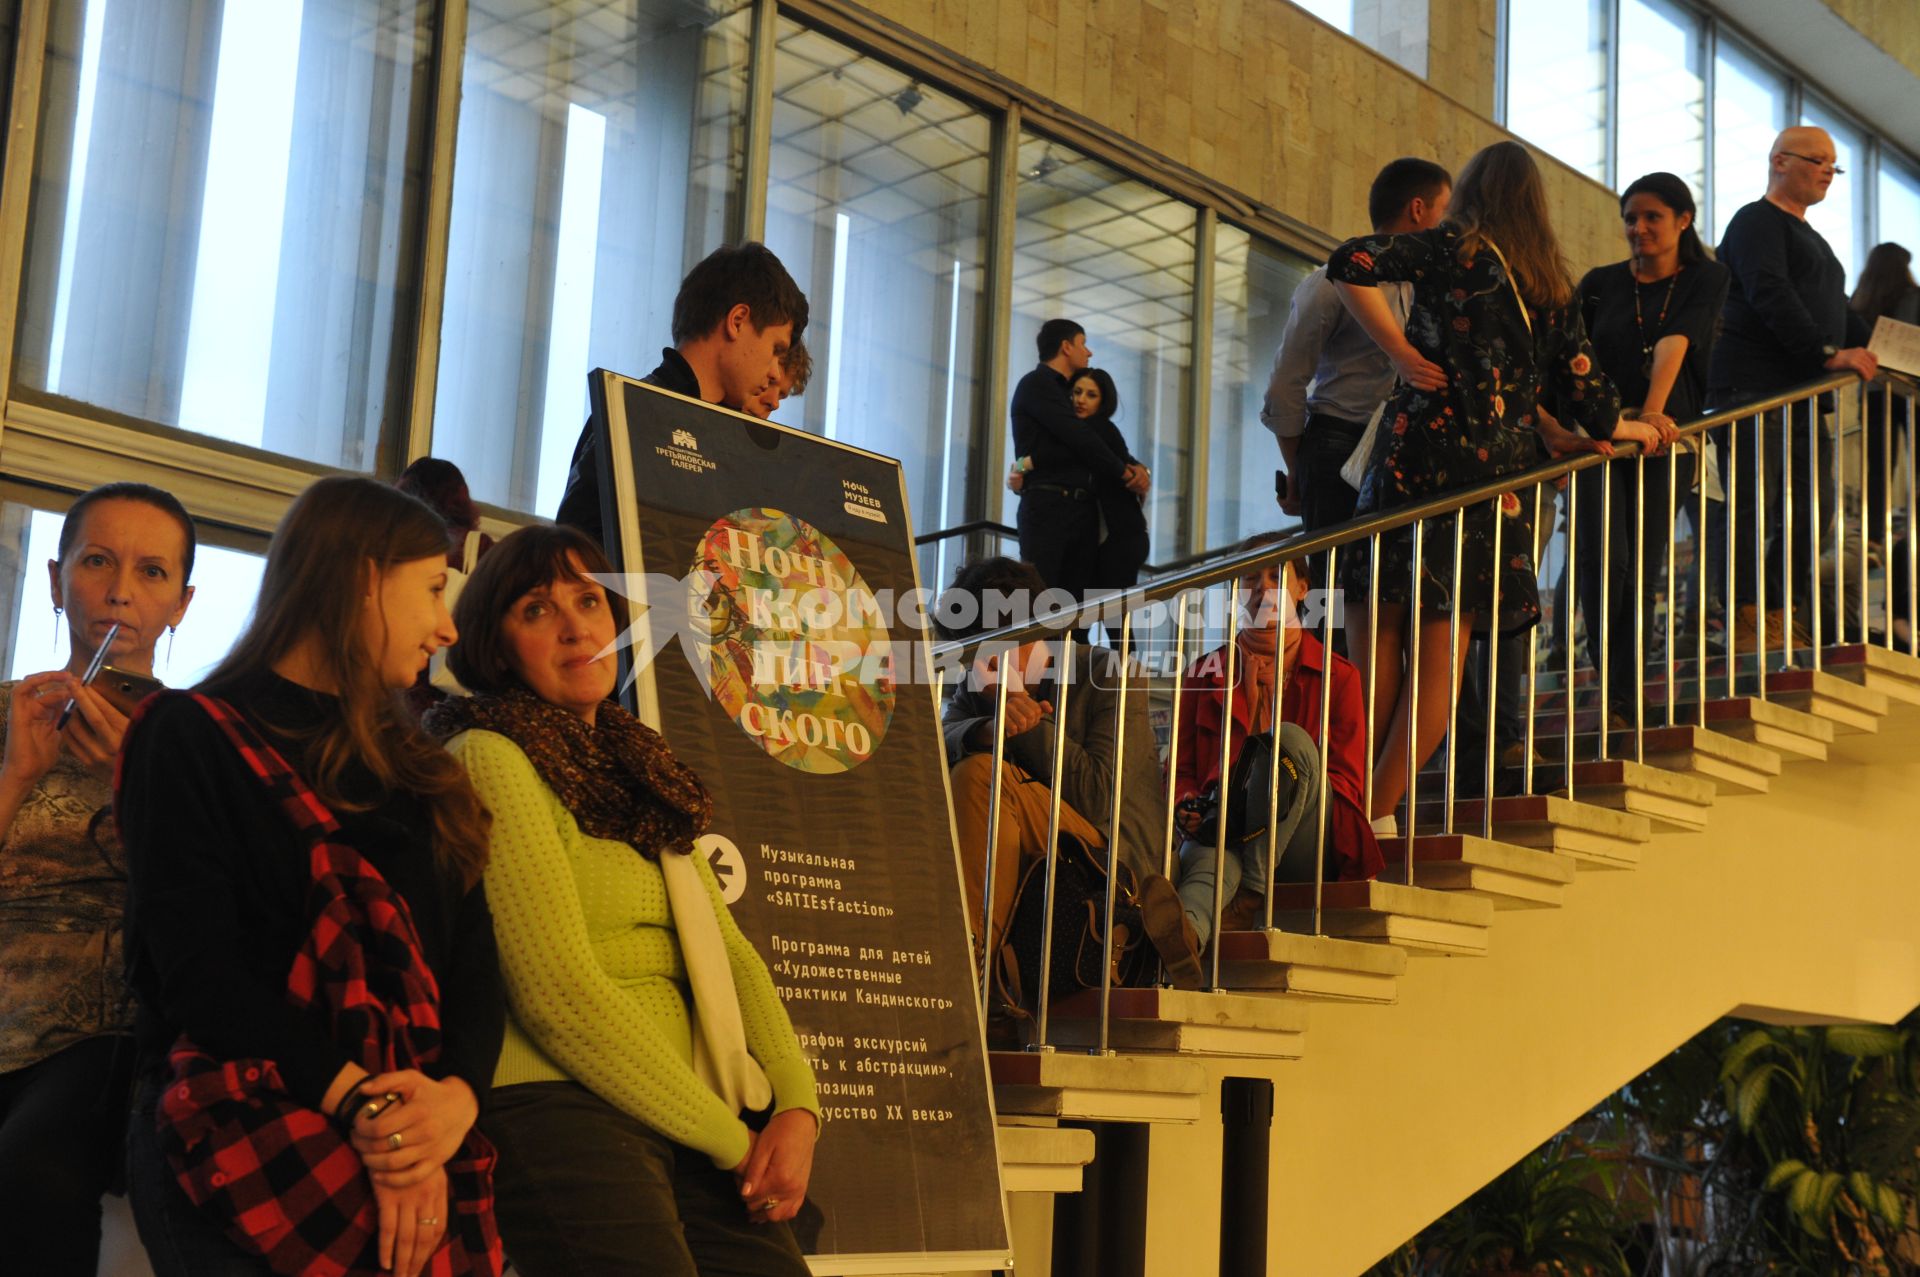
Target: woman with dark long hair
<point>1493,327</point>
<point>320,997</point>
<point>124,558</point>
<point>1651,319</point>
<point>652,1106</point>
<point>1886,288</point>
<point>1123,519</point>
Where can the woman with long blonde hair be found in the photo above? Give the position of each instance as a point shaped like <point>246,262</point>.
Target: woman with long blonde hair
<point>320,994</point>
<point>1493,329</point>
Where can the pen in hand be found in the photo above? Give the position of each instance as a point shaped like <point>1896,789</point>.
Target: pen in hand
<point>93,672</point>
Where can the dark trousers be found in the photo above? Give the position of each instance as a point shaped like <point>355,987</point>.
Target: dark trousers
<point>583,1189</point>
<point>1325,498</point>
<point>1060,536</point>
<point>61,1121</point>
<point>1810,473</point>
<point>1636,563</point>
<point>181,1240</point>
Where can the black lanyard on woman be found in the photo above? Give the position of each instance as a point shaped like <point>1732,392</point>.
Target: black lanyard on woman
<point>1640,324</point>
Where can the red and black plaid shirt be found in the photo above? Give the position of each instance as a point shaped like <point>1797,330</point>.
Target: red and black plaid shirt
<point>280,1177</point>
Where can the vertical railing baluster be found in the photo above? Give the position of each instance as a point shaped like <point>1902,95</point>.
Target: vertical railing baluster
<point>1672,637</point>
<point>1760,544</point>
<point>1886,508</point>
<point>1598,646</point>
<point>1062,681</point>
<point>1113,829</point>
<point>1373,670</point>
<point>1326,725</point>
<point>1814,528</point>
<point>1700,602</point>
<point>1226,769</point>
<point>1283,608</point>
<point>1173,733</point>
<point>1412,684</point>
<point>1731,482</point>
<point>1573,589</point>
<point>1533,645</point>
<point>1493,675</point>
<point>993,822</point>
<point>1453,663</point>
<point>1640,610</point>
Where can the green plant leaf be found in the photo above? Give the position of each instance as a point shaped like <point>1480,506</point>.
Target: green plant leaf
<point>1740,1052</point>
<point>1891,1206</point>
<point>1752,1094</point>
<point>1782,1172</point>
<point>1867,1041</point>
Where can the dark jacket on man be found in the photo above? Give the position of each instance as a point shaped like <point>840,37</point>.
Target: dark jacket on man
<point>580,503</point>
<point>1086,774</point>
<point>1786,305</point>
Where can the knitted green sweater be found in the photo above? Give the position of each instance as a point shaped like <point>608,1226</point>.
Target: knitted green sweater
<point>596,987</point>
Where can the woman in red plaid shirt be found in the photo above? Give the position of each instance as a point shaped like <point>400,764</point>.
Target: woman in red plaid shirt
<point>320,996</point>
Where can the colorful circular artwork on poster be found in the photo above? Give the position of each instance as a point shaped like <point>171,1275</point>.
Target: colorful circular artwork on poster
<point>797,648</point>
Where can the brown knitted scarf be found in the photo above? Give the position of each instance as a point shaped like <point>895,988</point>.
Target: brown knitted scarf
<point>617,777</point>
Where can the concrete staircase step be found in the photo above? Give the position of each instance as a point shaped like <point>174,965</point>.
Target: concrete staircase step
<point>1793,734</point>
<point>1039,1157</point>
<point>1895,675</point>
<point>1593,836</point>
<point>1670,800</point>
<point>1847,705</point>
<point>1308,966</point>
<point>1191,1023</point>
<point>1417,919</point>
<point>1729,764</point>
<point>1096,1088</point>
<point>1510,876</point>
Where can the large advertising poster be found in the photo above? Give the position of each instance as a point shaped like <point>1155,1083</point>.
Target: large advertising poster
<point>779,646</point>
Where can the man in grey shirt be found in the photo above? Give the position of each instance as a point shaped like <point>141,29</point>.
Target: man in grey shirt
<point>1328,375</point>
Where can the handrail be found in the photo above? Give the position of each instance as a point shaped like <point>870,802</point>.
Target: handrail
<point>1232,566</point>
<point>1001,529</point>
<point>962,529</point>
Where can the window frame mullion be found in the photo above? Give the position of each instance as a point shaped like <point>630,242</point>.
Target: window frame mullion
<point>450,56</point>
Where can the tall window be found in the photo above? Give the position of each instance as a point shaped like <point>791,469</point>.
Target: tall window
<point>1253,282</point>
<point>222,234</point>
<point>600,151</point>
<point>1557,79</point>
<point>877,203</point>
<point>1899,204</point>
<point>1841,217</point>
<point>1116,255</point>
<point>1749,109</point>
<point>1663,94</point>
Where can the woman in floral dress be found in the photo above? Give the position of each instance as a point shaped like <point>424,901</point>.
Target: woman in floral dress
<point>1493,331</point>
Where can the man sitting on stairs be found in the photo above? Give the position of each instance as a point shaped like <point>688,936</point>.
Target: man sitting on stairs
<point>991,594</point>
<point>1305,670</point>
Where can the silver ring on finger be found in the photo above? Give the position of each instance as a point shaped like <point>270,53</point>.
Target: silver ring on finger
<point>428,1222</point>
<point>394,1141</point>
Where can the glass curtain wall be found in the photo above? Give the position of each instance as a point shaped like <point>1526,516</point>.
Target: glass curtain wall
<point>1116,255</point>
<point>600,156</point>
<point>1662,123</point>
<point>223,218</point>
<point>1253,283</point>
<point>1841,217</point>
<point>1750,103</point>
<point>877,202</point>
<point>1557,79</point>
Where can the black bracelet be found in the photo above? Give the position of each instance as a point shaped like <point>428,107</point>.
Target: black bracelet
<point>343,1111</point>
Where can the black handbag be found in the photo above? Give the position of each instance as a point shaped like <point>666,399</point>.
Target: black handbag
<point>1079,917</point>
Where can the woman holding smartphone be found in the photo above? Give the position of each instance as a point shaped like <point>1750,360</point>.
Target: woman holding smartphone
<point>124,558</point>
<point>307,936</point>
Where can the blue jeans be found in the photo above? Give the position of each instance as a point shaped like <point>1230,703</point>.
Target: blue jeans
<point>1297,835</point>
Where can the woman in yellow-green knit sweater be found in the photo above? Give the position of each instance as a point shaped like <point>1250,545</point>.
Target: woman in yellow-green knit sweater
<point>642,1025</point>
